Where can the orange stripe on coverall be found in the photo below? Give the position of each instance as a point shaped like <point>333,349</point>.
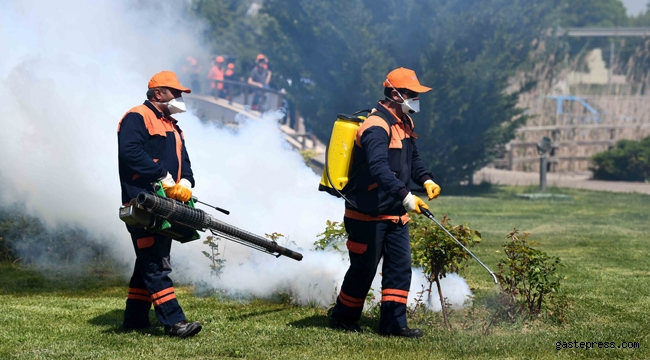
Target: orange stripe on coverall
<point>394,298</point>
<point>163,293</point>
<point>355,247</point>
<point>139,291</point>
<point>350,301</point>
<point>395,292</point>
<point>139,297</point>
<point>163,300</point>
<point>363,217</point>
<point>179,152</point>
<point>146,242</point>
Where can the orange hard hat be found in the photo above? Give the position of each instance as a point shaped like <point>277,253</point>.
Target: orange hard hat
<point>260,57</point>
<point>231,66</point>
<point>167,79</point>
<point>220,58</point>
<point>403,78</point>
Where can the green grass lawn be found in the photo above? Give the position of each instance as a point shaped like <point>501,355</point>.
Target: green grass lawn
<point>602,238</point>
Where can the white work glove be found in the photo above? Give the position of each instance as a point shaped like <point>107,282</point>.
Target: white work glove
<point>414,203</point>
<point>167,181</point>
<point>186,183</point>
<point>181,191</point>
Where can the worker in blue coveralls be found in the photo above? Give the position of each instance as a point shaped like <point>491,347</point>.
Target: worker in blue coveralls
<point>151,148</point>
<point>385,160</point>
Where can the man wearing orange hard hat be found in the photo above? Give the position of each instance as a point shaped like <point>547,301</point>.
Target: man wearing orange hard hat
<point>151,148</point>
<point>385,160</point>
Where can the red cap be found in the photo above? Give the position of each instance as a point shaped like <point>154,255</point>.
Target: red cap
<point>260,57</point>
<point>167,79</point>
<point>219,58</point>
<point>231,66</point>
<point>403,78</point>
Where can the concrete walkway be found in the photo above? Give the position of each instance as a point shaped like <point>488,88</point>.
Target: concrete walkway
<point>577,181</point>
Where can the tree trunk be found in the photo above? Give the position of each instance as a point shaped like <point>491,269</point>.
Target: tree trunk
<point>442,304</point>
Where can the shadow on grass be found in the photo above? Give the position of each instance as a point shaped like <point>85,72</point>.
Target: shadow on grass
<point>320,321</point>
<point>254,314</point>
<point>112,320</point>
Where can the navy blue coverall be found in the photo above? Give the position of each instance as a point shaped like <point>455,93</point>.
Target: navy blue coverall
<point>385,160</point>
<point>150,145</point>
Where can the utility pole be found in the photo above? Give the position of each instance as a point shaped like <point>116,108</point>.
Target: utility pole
<point>543,148</point>
<point>611,64</point>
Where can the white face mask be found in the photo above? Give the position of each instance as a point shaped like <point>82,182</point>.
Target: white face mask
<point>176,105</point>
<point>410,106</point>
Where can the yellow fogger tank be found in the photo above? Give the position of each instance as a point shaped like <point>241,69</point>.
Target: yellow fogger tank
<point>338,157</point>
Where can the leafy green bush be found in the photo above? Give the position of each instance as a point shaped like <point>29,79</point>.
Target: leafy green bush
<point>628,161</point>
<point>333,237</point>
<point>530,284</point>
<point>437,254</point>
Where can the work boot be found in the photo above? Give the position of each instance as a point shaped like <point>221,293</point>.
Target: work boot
<point>340,323</point>
<point>406,332</point>
<point>184,329</point>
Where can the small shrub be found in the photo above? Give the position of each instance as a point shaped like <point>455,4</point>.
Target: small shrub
<point>437,254</point>
<point>530,284</point>
<point>333,237</point>
<point>217,263</point>
<point>628,161</point>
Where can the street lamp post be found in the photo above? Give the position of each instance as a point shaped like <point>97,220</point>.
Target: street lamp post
<point>543,147</point>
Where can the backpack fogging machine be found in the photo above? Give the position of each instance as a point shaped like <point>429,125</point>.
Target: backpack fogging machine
<point>428,214</point>
<point>180,221</point>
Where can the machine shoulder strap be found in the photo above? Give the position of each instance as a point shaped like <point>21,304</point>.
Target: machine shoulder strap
<point>365,165</point>
<point>385,118</point>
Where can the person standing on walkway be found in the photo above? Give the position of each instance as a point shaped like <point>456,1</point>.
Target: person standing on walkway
<point>258,77</point>
<point>216,76</point>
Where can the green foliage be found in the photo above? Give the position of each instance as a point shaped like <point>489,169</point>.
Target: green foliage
<point>274,236</point>
<point>232,29</point>
<point>339,59</point>
<point>217,262</point>
<point>333,56</point>
<point>595,13</point>
<point>435,252</point>
<point>628,161</point>
<point>333,237</point>
<point>529,282</point>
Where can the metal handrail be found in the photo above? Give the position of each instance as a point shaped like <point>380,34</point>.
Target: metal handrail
<point>246,88</point>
